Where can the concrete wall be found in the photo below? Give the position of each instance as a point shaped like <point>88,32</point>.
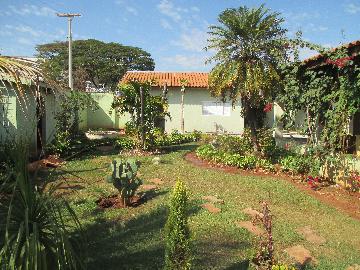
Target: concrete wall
<point>104,117</point>
<point>193,115</point>
<point>18,115</point>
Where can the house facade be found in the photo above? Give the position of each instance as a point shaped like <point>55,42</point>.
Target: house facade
<point>189,99</point>
<point>27,115</point>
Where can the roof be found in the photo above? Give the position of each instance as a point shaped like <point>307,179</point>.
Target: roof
<point>172,79</point>
<point>351,46</point>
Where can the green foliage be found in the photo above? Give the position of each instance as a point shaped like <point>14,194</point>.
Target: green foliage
<point>267,142</point>
<point>209,152</point>
<point>125,143</point>
<point>328,93</point>
<point>282,267</point>
<point>301,164</point>
<point>177,233</point>
<point>155,107</point>
<point>93,60</point>
<point>124,178</point>
<point>67,120</point>
<point>36,227</point>
<point>250,45</point>
<point>173,138</point>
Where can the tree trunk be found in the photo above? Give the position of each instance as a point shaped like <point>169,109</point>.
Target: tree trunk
<point>250,115</point>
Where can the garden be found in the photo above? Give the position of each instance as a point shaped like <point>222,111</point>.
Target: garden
<point>145,198</point>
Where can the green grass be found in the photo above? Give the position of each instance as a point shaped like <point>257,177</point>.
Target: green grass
<point>133,238</point>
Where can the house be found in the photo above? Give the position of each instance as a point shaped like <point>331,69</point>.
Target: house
<point>200,110</point>
<point>322,62</point>
<point>26,114</point>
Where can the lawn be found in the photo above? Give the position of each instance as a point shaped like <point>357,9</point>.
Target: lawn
<point>132,238</point>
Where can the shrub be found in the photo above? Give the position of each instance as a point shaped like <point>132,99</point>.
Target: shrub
<point>233,144</point>
<point>125,143</point>
<point>35,226</point>
<point>267,142</point>
<point>177,234</point>
<point>124,178</point>
<point>301,164</point>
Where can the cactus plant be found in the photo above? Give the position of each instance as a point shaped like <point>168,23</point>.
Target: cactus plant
<point>124,178</point>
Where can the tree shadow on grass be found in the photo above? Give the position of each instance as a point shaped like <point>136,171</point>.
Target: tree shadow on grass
<point>135,244</point>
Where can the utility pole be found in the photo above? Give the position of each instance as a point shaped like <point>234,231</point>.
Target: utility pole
<point>70,16</point>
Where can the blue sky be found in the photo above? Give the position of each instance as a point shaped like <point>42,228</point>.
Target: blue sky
<point>173,31</point>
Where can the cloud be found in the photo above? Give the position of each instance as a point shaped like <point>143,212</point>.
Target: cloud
<point>195,9</point>
<point>25,29</point>
<point>188,62</point>
<point>33,10</point>
<point>165,24</point>
<point>194,40</point>
<point>132,10</point>
<point>352,8</point>
<point>317,28</point>
<point>168,8</point>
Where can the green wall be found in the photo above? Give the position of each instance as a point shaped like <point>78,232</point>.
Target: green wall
<point>21,115</point>
<point>104,117</point>
<point>193,117</point>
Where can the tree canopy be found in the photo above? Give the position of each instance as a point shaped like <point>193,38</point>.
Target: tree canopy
<point>93,60</point>
<point>250,45</point>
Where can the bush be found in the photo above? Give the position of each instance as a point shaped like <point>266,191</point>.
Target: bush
<point>125,143</point>
<point>177,234</point>
<point>300,164</point>
<point>267,142</point>
<point>160,139</point>
<point>233,144</point>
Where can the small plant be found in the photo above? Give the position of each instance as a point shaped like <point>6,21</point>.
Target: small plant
<point>265,255</point>
<point>177,234</point>
<point>124,178</point>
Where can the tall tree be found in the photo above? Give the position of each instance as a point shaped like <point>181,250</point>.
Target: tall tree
<point>250,45</point>
<point>93,60</point>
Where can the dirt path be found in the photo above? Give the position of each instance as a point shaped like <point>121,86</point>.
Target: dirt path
<point>339,198</point>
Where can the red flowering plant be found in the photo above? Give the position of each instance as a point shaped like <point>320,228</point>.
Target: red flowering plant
<point>339,62</point>
<point>313,182</point>
<point>354,182</point>
<point>268,107</point>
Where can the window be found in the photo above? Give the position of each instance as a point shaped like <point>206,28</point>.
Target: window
<point>216,108</point>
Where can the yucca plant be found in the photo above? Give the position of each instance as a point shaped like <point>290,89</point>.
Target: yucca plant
<point>36,227</point>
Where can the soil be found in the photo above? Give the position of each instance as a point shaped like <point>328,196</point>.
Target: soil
<point>341,199</point>
<point>311,236</point>
<point>114,202</point>
<point>211,208</point>
<point>248,225</point>
<point>301,255</point>
<point>252,212</point>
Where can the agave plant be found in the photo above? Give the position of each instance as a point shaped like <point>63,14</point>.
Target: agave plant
<point>36,227</point>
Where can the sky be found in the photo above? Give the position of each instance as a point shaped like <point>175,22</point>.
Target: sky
<point>173,31</point>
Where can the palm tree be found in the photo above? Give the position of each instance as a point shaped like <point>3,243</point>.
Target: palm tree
<point>250,44</point>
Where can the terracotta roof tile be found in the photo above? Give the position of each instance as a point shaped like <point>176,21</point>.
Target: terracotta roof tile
<point>172,79</point>
<point>319,56</point>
